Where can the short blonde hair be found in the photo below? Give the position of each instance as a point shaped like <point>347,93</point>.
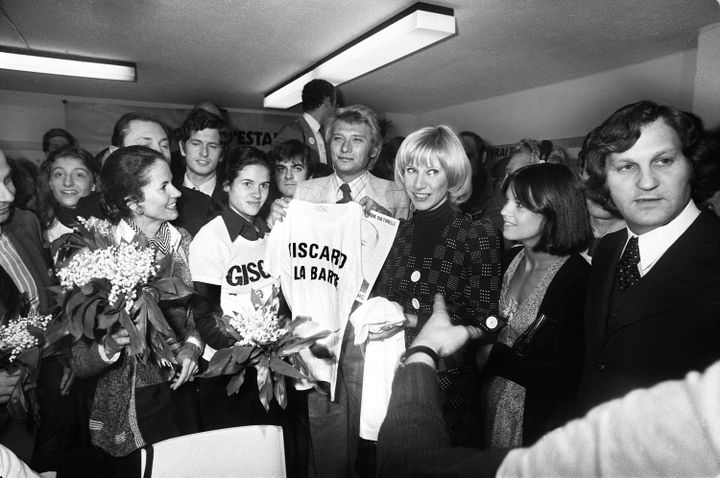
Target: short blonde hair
<point>439,143</point>
<point>357,114</point>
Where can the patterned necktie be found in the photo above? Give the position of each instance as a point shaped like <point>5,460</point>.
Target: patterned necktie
<point>627,270</point>
<point>345,188</point>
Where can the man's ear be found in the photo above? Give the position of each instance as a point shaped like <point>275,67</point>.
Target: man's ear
<point>182,147</point>
<point>374,155</point>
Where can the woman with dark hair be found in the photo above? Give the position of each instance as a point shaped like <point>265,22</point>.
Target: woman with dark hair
<point>67,175</point>
<point>533,370</point>
<point>441,250</point>
<point>138,403</point>
<point>226,260</point>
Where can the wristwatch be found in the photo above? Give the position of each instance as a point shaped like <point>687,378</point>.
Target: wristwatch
<point>420,349</point>
<point>492,323</point>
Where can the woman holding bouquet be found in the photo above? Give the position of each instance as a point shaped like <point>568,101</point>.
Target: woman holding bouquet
<point>226,260</point>
<point>140,400</point>
<point>441,250</point>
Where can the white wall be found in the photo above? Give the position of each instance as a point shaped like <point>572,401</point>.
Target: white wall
<point>570,108</point>
<point>706,100</point>
<point>24,118</point>
<point>567,109</point>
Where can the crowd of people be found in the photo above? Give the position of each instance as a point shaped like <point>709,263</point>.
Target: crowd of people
<point>534,292</point>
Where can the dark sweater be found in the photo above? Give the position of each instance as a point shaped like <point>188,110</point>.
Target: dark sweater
<point>551,364</point>
<point>413,439</point>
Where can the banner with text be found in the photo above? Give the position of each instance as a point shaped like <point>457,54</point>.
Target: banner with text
<point>92,123</point>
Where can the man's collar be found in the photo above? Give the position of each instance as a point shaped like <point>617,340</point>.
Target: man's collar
<point>314,125</point>
<point>239,226</point>
<point>653,244</point>
<point>360,179</point>
<point>206,188</point>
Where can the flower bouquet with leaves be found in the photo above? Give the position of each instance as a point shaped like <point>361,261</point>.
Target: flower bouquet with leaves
<point>263,340</point>
<point>22,337</point>
<point>107,282</point>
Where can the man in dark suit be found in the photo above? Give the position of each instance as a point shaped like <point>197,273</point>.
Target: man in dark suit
<point>318,104</point>
<point>654,294</point>
<point>24,273</point>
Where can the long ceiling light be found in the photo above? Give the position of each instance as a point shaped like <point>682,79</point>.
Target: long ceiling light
<point>66,65</point>
<point>411,30</point>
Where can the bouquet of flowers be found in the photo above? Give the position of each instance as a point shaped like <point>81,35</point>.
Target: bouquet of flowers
<point>106,282</point>
<point>21,340</point>
<point>265,341</point>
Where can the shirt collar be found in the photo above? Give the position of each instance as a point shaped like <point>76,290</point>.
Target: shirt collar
<point>357,185</point>
<point>312,122</point>
<point>239,226</point>
<point>655,243</point>
<point>206,188</point>
<point>126,232</point>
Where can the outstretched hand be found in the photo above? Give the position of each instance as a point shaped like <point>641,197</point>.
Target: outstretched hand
<point>441,335</point>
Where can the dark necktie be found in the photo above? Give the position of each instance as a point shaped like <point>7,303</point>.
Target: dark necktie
<point>627,271</point>
<point>345,188</point>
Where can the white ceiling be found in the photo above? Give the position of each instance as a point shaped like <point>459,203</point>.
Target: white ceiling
<point>232,51</point>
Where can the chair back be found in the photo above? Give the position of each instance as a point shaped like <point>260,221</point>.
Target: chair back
<point>250,451</point>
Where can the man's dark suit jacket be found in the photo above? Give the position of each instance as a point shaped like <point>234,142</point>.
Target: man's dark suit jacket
<point>195,209</point>
<point>301,131</point>
<point>662,327</point>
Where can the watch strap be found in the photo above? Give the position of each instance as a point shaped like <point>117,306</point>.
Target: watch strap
<point>424,349</point>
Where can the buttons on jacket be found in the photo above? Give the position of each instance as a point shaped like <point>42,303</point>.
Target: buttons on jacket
<point>415,276</point>
<point>599,366</point>
<point>415,303</point>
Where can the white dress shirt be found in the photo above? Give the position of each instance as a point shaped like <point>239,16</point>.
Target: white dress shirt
<point>206,188</point>
<point>655,243</point>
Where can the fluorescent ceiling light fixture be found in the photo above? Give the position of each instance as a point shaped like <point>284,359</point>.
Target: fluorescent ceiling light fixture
<point>411,30</point>
<point>66,65</point>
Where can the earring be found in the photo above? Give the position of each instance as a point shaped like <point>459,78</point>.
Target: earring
<point>139,210</point>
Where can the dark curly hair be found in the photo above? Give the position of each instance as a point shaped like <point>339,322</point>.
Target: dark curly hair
<point>621,131</point>
<point>199,120</point>
<point>294,149</point>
